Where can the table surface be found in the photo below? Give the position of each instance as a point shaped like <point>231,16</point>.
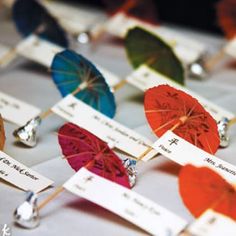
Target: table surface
<point>157,179</point>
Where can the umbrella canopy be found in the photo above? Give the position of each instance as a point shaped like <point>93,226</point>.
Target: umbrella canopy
<point>144,10</point>
<point>83,149</point>
<point>2,134</point>
<point>201,188</point>
<point>226,13</point>
<point>72,73</point>
<point>31,17</point>
<point>143,47</point>
<point>167,108</point>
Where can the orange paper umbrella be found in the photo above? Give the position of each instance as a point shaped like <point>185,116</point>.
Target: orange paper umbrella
<point>167,108</point>
<point>2,134</point>
<point>201,188</point>
<point>226,12</point>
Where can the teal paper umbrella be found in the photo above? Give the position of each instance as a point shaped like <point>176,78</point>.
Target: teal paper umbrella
<point>72,73</point>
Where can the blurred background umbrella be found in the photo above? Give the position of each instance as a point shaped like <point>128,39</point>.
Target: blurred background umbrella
<point>31,17</point>
<point>143,47</point>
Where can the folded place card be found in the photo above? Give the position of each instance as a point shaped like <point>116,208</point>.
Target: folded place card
<point>213,224</point>
<point>21,176</point>
<point>144,78</point>
<point>230,47</point>
<point>38,50</point>
<point>183,153</point>
<point>16,111</point>
<point>102,126</point>
<point>188,50</point>
<point>126,203</point>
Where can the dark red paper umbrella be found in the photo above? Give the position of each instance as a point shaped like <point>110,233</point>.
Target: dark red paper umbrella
<point>83,149</point>
<point>167,108</point>
<point>201,188</point>
<point>226,13</point>
<point>144,10</point>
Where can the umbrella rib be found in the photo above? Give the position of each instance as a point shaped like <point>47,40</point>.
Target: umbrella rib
<point>69,61</point>
<point>77,154</point>
<point>164,125</point>
<point>159,110</point>
<point>62,72</point>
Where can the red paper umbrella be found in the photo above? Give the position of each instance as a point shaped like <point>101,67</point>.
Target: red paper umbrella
<point>144,10</point>
<point>83,149</point>
<point>202,188</point>
<point>167,108</point>
<point>226,12</point>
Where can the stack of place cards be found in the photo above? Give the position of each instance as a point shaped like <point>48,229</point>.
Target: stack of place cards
<point>126,203</point>
<point>183,153</point>
<point>105,128</point>
<point>21,176</point>
<point>144,78</point>
<point>188,50</point>
<point>16,111</point>
<point>213,224</point>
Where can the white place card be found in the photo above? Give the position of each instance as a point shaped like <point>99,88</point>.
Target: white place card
<point>107,129</point>
<point>213,224</point>
<point>38,50</point>
<point>126,203</point>
<point>188,50</point>
<point>21,176</point>
<point>182,152</point>
<point>72,17</point>
<point>16,111</point>
<point>144,78</point>
<point>230,47</point>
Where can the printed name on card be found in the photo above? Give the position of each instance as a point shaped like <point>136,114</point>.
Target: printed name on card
<point>144,78</point>
<point>182,152</point>
<point>213,224</point>
<point>38,50</point>
<point>125,203</point>
<point>21,176</point>
<point>107,129</point>
<point>16,111</point>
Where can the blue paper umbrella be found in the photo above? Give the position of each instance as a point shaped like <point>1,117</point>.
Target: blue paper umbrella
<point>31,17</point>
<point>72,73</point>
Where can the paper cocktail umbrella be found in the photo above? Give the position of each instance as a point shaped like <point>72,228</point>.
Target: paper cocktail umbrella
<point>31,17</point>
<point>167,108</point>
<point>143,47</point>
<point>2,134</point>
<point>81,148</point>
<point>144,10</point>
<point>202,188</point>
<point>73,74</point>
